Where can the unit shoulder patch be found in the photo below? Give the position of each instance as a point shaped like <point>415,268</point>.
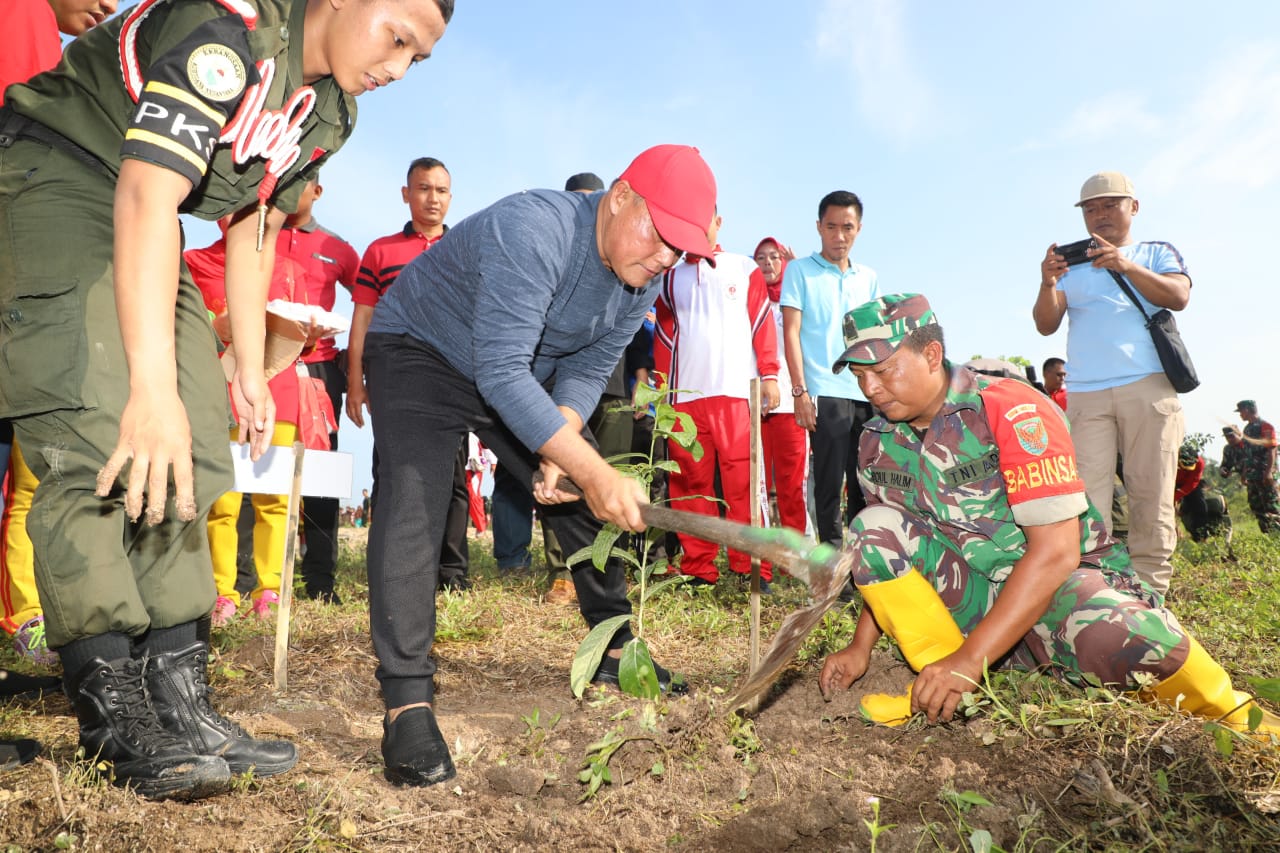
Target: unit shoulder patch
<point>216,72</point>
<point>1032,435</point>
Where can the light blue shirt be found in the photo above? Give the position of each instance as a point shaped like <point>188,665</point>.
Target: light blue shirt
<point>1108,344</point>
<point>816,287</point>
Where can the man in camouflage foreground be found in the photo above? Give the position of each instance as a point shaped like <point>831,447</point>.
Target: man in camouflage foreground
<point>979,547</point>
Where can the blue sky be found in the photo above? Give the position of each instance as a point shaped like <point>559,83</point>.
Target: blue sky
<point>967,130</point>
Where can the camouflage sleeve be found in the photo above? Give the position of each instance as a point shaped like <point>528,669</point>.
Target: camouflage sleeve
<point>1037,458</point>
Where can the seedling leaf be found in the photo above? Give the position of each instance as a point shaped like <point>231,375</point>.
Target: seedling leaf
<point>587,659</point>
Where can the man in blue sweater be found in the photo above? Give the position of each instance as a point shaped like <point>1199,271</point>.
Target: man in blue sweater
<point>508,328</point>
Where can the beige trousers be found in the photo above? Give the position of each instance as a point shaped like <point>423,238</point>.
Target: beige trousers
<point>1143,422</point>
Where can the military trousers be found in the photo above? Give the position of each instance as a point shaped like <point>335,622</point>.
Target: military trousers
<point>1264,504</point>
<point>66,383</point>
<point>1099,623</point>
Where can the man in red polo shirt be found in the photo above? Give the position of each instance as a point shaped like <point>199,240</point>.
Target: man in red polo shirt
<point>325,260</point>
<point>428,191</point>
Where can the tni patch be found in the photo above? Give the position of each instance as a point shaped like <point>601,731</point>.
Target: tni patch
<point>973,471</point>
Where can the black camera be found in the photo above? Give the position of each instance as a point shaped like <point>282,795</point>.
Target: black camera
<point>1077,252</point>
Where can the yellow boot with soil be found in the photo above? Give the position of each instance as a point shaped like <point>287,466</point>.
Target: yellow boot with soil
<point>910,611</point>
<point>1202,687</point>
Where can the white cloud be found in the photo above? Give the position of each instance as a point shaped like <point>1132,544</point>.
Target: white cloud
<point>1101,117</point>
<point>1230,129</point>
<point>868,36</point>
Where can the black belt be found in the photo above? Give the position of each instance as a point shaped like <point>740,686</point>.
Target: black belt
<point>15,126</point>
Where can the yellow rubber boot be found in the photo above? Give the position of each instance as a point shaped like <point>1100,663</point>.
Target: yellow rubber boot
<point>1202,687</point>
<point>911,612</point>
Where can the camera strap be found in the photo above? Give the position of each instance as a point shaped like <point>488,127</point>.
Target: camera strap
<point>1124,285</point>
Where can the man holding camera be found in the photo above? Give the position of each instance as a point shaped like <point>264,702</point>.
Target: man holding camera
<point>1120,398</point>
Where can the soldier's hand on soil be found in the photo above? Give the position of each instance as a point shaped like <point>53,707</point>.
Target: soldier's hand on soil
<point>154,434</point>
<point>940,686</point>
<point>841,669</point>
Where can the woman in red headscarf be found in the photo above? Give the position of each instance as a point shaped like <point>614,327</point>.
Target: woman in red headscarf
<point>786,443</point>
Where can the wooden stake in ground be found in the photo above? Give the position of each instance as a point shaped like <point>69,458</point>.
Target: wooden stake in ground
<point>286,572</point>
<point>755,521</point>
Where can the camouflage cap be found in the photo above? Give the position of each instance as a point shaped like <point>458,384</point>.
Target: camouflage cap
<point>873,330</point>
<point>1247,404</point>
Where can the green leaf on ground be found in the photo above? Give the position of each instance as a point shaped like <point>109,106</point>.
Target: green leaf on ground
<point>636,674</point>
<point>1266,688</point>
<point>592,650</point>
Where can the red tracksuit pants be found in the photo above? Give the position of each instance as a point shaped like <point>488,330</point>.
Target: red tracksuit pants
<point>724,431</point>
<point>786,458</point>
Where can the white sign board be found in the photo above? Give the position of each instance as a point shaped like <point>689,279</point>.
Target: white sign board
<point>325,474</point>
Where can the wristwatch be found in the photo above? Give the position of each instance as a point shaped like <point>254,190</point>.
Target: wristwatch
<point>798,391</point>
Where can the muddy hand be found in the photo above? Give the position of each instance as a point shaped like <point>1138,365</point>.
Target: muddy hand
<point>154,436</point>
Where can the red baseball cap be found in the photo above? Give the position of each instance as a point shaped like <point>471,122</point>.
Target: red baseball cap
<point>680,192</point>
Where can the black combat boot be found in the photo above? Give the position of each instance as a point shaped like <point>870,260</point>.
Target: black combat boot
<point>180,692</point>
<point>119,727</point>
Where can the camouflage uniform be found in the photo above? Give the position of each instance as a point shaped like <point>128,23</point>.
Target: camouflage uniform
<point>1233,460</point>
<point>1260,475</point>
<point>952,504</point>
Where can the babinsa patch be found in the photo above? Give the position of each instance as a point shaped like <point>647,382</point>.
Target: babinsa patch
<point>1032,435</point>
<point>216,72</point>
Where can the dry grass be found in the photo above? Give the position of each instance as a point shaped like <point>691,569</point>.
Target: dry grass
<point>1062,768</point>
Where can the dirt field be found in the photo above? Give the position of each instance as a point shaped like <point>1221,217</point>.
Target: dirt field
<point>797,776</point>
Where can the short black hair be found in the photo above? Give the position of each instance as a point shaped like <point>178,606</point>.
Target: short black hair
<point>917,339</point>
<point>584,181</point>
<point>446,11</point>
<point>423,163</point>
<point>840,198</point>
<point>1050,363</point>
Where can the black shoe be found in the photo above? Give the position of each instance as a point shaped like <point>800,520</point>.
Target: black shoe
<point>457,583</point>
<point>690,580</point>
<point>17,684</point>
<point>180,694</point>
<point>608,674</point>
<point>327,596</point>
<point>414,750</point>
<point>15,753</point>
<point>119,727</point>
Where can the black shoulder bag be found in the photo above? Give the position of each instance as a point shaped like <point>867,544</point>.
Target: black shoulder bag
<point>1174,357</point>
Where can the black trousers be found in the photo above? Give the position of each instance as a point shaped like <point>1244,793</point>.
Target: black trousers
<point>835,462</point>
<point>455,558</point>
<point>421,409</point>
<point>320,515</point>
<point>455,554</point>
